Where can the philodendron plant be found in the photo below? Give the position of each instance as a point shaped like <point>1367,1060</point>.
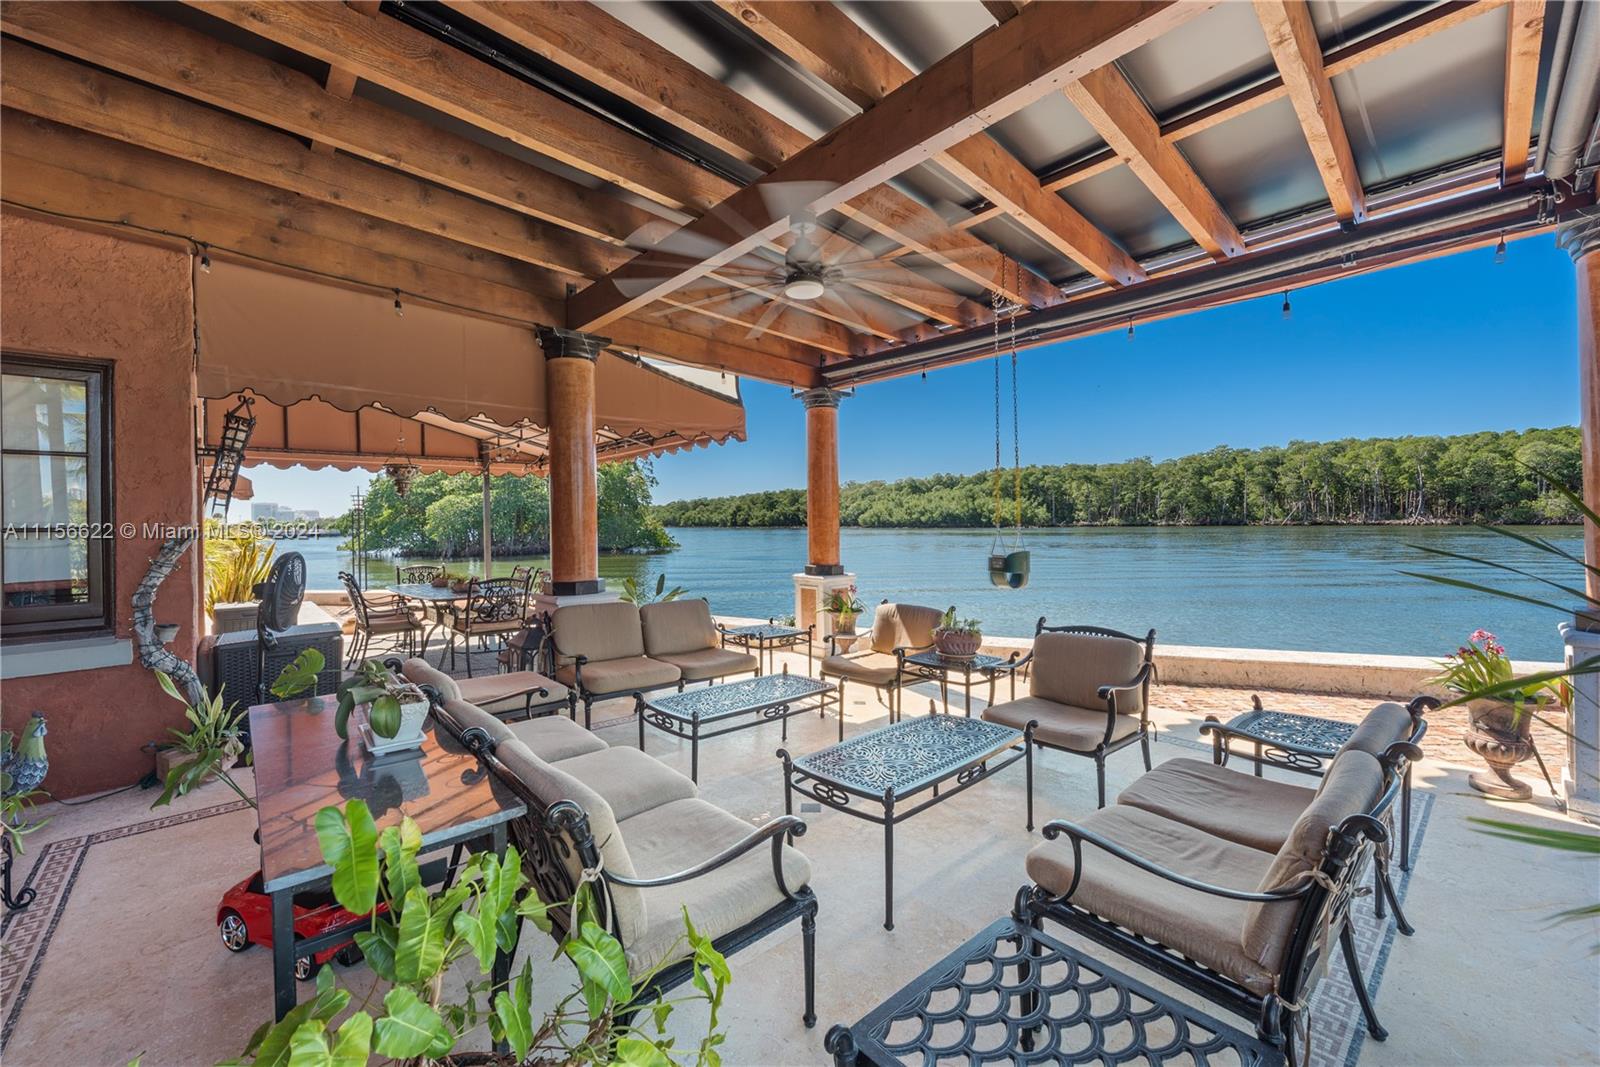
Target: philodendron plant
<point>423,934</point>
<point>376,686</point>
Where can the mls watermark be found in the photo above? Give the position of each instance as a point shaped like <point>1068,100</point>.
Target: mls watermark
<point>160,531</point>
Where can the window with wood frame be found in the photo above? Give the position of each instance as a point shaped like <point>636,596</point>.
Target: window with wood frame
<point>55,494</point>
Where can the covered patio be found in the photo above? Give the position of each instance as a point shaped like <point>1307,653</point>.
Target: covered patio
<point>528,238</point>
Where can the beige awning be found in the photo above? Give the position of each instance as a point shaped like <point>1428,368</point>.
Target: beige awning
<point>339,378</point>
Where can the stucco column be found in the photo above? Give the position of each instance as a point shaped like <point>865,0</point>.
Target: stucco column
<point>1586,257</point>
<point>822,480</point>
<point>569,393</point>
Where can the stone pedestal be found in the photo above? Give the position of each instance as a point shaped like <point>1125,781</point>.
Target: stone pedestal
<point>1580,774</point>
<point>810,593</point>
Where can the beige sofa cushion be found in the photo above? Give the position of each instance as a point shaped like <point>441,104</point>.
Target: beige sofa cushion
<point>677,836</point>
<point>421,672</point>
<point>1071,668</point>
<point>491,691</point>
<point>622,675</point>
<point>677,626</point>
<point>1383,726</point>
<point>554,738</point>
<point>902,626</point>
<point>869,667</point>
<point>1352,785</point>
<point>705,663</point>
<point>1061,725</point>
<point>631,781</point>
<point>599,631</point>
<point>1240,807</point>
<point>1204,927</point>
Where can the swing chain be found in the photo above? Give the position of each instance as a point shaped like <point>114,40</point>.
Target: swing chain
<point>995,303</point>
<point>1016,430</point>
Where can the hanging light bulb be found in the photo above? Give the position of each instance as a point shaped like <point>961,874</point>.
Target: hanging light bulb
<point>1130,328</point>
<point>398,309</point>
<point>205,259</point>
<point>1286,311</point>
<point>1500,249</point>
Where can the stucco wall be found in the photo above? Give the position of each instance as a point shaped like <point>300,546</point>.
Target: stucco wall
<point>72,293</point>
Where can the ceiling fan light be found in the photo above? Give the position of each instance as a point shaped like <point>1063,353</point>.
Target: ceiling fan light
<point>803,289</point>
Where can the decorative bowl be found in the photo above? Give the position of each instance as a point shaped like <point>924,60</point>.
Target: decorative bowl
<point>957,644</point>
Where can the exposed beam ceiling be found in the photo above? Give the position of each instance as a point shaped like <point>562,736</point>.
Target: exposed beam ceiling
<point>1524,38</point>
<point>340,81</point>
<point>1298,54</point>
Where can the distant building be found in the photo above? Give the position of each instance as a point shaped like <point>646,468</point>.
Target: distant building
<point>266,511</point>
<point>307,515</point>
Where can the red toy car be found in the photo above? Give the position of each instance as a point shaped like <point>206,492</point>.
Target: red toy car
<point>244,918</point>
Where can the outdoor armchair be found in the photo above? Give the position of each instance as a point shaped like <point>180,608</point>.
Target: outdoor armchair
<point>494,609</point>
<point>898,631</point>
<point>682,633</point>
<point>598,651</point>
<point>1088,693</point>
<point>383,617</point>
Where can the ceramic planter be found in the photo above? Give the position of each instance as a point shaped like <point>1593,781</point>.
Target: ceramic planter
<point>844,622</point>
<point>413,713</point>
<point>957,644</point>
<point>1503,737</point>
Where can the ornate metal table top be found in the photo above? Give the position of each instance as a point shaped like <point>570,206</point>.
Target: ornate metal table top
<point>1318,736</point>
<point>766,631</point>
<point>968,1008</point>
<point>932,658</point>
<point>736,698</point>
<point>908,755</point>
<point>424,591</point>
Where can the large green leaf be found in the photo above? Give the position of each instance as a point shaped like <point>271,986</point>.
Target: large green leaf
<point>384,715</point>
<point>492,925</point>
<point>1569,590</point>
<point>308,1046</point>
<point>341,714</point>
<point>167,686</point>
<point>535,910</point>
<point>514,1009</point>
<point>1476,588</point>
<point>1587,844</point>
<point>420,951</point>
<point>408,1027</point>
<point>400,847</point>
<point>299,675</point>
<point>378,945</point>
<point>639,1052</point>
<point>602,966</point>
<point>354,1043</point>
<point>349,841</point>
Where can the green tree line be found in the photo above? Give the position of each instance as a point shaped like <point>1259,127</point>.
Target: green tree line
<point>1479,477</point>
<point>441,515</point>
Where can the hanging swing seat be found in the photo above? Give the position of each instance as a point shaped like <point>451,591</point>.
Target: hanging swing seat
<point>1009,570</point>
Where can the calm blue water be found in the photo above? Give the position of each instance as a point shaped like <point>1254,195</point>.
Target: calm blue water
<point>1312,588</point>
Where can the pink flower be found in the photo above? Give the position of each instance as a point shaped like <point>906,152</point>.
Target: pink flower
<point>1481,635</point>
<point>1498,650</point>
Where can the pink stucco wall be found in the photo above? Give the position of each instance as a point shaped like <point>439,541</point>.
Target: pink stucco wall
<point>66,292</point>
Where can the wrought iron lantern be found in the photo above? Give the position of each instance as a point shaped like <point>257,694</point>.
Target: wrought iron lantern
<point>399,469</point>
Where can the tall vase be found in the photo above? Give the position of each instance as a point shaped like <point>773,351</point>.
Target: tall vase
<point>1504,739</point>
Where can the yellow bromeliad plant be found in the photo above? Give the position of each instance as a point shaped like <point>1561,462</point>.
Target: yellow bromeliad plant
<point>237,559</point>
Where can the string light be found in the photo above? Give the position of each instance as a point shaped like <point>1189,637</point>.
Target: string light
<point>1286,311</point>
<point>205,259</point>
<point>1130,328</point>
<point>1500,249</point>
<point>398,309</point>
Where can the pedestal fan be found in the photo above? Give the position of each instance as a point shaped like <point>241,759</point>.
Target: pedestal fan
<point>280,596</point>
<point>1008,568</point>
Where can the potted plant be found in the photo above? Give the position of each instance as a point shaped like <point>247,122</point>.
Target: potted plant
<point>441,580</point>
<point>461,583</point>
<point>395,708</point>
<point>418,936</point>
<point>844,606</point>
<point>957,639</point>
<point>635,593</point>
<point>237,559</point>
<point>1500,728</point>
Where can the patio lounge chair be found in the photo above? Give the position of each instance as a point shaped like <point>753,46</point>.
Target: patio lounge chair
<point>598,651</point>
<point>680,632</point>
<point>383,617</point>
<point>657,847</point>
<point>1247,928</point>
<point>1088,691</point>
<point>898,631</point>
<point>505,694</point>
<point>495,608</point>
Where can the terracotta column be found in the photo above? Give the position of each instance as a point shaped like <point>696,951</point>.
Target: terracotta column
<point>822,480</point>
<point>569,393</point>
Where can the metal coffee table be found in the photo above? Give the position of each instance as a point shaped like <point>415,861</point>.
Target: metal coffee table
<point>893,764</point>
<point>1014,994</point>
<point>767,638</point>
<point>931,664</point>
<point>754,701</point>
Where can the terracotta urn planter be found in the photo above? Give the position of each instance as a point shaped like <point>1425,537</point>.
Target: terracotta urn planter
<point>439,581</point>
<point>844,622</point>
<point>957,644</point>
<point>1503,738</point>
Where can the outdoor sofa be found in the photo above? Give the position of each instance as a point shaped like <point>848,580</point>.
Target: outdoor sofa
<point>1088,693</point>
<point>1225,884</point>
<point>879,661</point>
<point>682,633</point>
<point>654,847</point>
<point>502,695</point>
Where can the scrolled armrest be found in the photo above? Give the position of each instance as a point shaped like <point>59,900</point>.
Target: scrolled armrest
<point>1136,682</point>
<point>776,831</point>
<point>1078,835</point>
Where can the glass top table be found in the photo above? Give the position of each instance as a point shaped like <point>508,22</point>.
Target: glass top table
<point>753,700</point>
<point>948,669</point>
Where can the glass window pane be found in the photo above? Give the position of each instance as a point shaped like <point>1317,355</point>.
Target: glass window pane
<point>45,414</point>
<point>45,489</point>
<point>45,571</point>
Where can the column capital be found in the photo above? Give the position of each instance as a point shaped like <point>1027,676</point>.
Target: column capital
<point>559,343</point>
<point>1580,235</point>
<point>820,397</point>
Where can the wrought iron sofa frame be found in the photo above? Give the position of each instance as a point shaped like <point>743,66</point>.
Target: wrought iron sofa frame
<point>1324,908</point>
<point>548,836</point>
<point>1108,693</point>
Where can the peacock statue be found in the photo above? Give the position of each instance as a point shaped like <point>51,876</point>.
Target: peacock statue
<point>23,769</point>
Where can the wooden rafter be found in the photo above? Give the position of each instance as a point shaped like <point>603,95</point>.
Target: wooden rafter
<point>1298,54</point>
<point>340,81</point>
<point>828,43</point>
<point>1524,38</point>
<point>1113,107</point>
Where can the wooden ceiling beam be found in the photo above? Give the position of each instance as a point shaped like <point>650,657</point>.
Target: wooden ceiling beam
<point>1524,40</point>
<point>340,81</point>
<point>1292,38</point>
<point>1114,108</point>
<point>827,40</point>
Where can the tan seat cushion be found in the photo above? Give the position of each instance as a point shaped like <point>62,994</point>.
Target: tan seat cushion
<point>1079,729</point>
<point>869,667</point>
<point>391,624</point>
<point>466,625</point>
<point>554,738</point>
<point>1351,786</point>
<point>489,690</point>
<point>631,781</point>
<point>1071,668</point>
<point>1383,726</point>
<point>706,663</point>
<point>902,626</point>
<point>621,675</point>
<point>599,631</point>
<point>1204,927</point>
<point>675,626</point>
<point>677,836</point>
<point>1240,807</point>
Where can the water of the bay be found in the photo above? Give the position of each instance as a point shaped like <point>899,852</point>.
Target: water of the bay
<point>1324,588</point>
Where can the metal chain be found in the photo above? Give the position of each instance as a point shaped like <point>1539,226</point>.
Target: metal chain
<point>1016,432</point>
<point>995,308</point>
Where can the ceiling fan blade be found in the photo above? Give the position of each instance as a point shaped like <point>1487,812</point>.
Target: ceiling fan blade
<point>773,310</point>
<point>722,300</point>
<point>790,199</point>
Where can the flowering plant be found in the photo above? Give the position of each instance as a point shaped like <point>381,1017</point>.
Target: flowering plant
<point>1482,663</point>
<point>845,602</point>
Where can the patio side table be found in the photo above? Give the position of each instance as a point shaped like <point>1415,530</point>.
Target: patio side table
<point>1013,994</point>
<point>891,765</point>
<point>302,766</point>
<point>767,639</point>
<point>754,700</point>
<point>931,664</point>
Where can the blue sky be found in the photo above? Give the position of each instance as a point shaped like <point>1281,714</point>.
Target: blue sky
<point>1447,346</point>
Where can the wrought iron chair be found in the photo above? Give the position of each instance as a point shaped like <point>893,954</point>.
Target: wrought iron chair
<point>535,577</point>
<point>384,617</point>
<point>1088,693</point>
<point>419,572</point>
<point>898,631</point>
<point>494,610</point>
